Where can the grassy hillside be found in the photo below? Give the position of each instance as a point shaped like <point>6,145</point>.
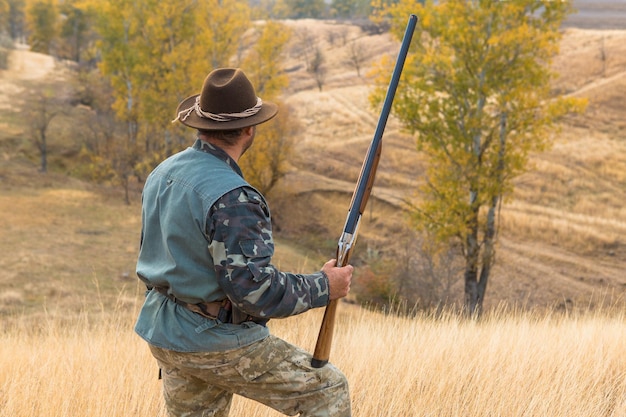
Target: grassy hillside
<point>561,239</point>
<point>561,242</point>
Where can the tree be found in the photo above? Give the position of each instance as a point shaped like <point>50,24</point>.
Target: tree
<point>104,155</point>
<point>15,19</point>
<point>6,46</point>
<point>476,93</point>
<point>299,9</point>
<point>41,20</point>
<point>350,9</point>
<point>356,55</point>
<point>155,54</point>
<point>603,57</point>
<point>118,25</point>
<point>308,48</point>
<point>263,63</point>
<point>4,14</point>
<point>6,43</point>
<point>75,34</point>
<point>266,162</point>
<point>343,8</point>
<point>317,67</point>
<point>222,25</point>
<point>43,105</point>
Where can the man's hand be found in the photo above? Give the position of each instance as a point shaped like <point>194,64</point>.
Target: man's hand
<point>338,279</point>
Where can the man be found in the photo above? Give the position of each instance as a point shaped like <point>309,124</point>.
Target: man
<point>206,251</point>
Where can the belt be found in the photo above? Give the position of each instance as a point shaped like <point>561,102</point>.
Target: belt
<point>220,310</point>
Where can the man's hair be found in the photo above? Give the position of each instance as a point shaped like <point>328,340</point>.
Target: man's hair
<point>227,136</point>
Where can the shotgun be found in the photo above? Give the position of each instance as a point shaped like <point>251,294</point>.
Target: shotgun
<point>359,199</point>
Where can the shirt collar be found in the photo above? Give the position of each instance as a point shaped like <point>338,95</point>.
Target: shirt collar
<point>217,152</point>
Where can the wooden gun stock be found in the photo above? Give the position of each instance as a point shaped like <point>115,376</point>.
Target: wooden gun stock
<point>359,200</point>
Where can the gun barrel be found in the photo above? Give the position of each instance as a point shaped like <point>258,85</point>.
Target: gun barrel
<point>359,199</point>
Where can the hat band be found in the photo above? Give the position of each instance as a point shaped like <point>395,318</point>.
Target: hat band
<point>218,117</point>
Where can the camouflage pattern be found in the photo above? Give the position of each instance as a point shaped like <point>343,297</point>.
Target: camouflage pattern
<point>271,371</point>
<point>239,226</point>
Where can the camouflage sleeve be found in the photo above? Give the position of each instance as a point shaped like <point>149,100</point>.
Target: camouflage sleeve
<point>242,247</point>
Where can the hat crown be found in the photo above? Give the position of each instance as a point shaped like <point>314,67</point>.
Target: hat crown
<point>227,90</point>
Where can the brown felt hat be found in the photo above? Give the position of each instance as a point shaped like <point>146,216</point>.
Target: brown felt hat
<point>227,101</point>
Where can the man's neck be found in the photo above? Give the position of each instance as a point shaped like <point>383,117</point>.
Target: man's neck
<point>234,151</point>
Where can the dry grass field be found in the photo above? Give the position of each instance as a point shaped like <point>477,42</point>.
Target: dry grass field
<point>518,365</point>
<point>68,294</point>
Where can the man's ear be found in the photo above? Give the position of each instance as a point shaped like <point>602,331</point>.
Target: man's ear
<point>249,131</point>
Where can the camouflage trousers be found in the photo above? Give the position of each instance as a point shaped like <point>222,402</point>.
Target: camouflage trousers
<point>272,372</point>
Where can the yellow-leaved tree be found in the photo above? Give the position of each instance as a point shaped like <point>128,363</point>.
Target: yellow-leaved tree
<point>266,162</point>
<point>155,54</point>
<point>4,16</point>
<point>476,93</point>
<point>41,21</point>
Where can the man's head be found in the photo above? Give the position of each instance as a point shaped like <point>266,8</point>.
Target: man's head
<point>227,102</point>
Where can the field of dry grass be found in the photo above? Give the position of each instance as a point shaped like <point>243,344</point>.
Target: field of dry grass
<point>517,365</point>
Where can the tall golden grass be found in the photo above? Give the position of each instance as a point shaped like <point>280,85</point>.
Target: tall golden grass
<point>508,364</point>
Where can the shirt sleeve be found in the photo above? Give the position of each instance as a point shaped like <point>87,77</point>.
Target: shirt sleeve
<point>241,244</point>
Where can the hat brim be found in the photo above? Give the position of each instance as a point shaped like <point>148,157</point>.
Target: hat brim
<point>268,111</point>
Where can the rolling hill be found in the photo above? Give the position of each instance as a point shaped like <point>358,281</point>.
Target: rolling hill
<point>562,236</point>
<point>561,242</point>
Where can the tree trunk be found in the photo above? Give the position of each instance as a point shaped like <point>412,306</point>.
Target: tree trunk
<point>476,284</point>
<point>126,185</point>
<point>488,255</point>
<point>473,299</point>
<point>475,287</point>
<point>489,238</point>
<point>43,152</point>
